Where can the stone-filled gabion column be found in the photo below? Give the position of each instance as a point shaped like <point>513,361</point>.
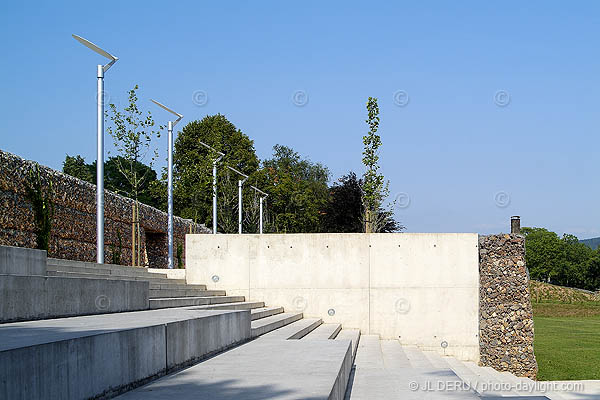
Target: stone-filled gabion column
<point>505,313</point>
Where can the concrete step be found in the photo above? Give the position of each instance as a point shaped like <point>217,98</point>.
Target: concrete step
<point>350,334</point>
<point>295,330</point>
<point>101,356</point>
<point>264,312</point>
<point>507,379</point>
<point>260,369</point>
<point>170,293</point>
<point>324,332</point>
<point>464,373</point>
<point>175,286</point>
<point>383,370</point>
<point>487,382</point>
<point>36,297</point>
<point>436,359</point>
<point>130,278</point>
<point>416,357</point>
<point>242,305</point>
<point>90,265</point>
<point>369,354</point>
<point>394,357</point>
<point>193,301</point>
<point>105,271</point>
<point>268,324</point>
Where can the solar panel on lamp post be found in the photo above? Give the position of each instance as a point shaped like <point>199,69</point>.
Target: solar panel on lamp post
<point>261,207</point>
<point>215,161</point>
<point>101,69</point>
<point>170,179</point>
<point>240,184</point>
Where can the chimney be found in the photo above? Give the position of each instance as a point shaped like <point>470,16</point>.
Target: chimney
<point>515,225</point>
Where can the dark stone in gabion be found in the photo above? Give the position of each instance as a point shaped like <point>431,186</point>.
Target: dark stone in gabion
<point>73,234</point>
<point>505,317</point>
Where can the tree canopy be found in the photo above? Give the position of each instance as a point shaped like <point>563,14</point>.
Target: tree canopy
<point>300,198</point>
<point>561,260</point>
<point>192,169</point>
<point>297,191</point>
<point>149,192</point>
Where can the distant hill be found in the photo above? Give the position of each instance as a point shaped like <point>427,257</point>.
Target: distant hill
<point>593,242</point>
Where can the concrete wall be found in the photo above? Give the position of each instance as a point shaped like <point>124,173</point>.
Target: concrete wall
<point>77,362</point>
<point>32,297</point>
<point>420,288</point>
<point>22,261</point>
<point>175,273</point>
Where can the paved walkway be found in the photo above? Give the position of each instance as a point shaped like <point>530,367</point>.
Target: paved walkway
<point>384,369</point>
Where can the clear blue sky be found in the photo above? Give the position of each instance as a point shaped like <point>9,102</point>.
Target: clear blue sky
<point>452,149</point>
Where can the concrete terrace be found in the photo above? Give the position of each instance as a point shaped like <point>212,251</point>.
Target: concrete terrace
<point>74,330</point>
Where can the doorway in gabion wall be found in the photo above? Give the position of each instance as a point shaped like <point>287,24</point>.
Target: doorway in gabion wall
<point>157,249</point>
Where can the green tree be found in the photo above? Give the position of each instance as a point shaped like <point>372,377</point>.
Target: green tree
<point>132,132</point>
<point>297,191</point>
<point>152,192</point>
<point>76,166</point>
<point>192,166</point>
<point>374,187</point>
<point>561,260</point>
<point>344,209</point>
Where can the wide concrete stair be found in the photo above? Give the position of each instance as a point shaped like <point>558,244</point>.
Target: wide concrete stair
<point>291,358</point>
<point>35,287</point>
<point>162,291</point>
<point>385,369</point>
<point>98,330</point>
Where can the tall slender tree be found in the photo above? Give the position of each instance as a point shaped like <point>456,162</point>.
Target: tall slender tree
<point>132,131</point>
<point>374,187</point>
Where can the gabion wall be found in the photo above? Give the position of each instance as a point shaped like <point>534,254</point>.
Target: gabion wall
<point>73,234</point>
<point>505,313</point>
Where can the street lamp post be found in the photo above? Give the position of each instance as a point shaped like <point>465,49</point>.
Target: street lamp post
<point>240,184</point>
<point>261,207</point>
<point>100,146</point>
<point>170,179</point>
<point>214,171</point>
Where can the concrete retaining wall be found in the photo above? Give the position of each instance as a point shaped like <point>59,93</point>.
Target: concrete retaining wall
<point>420,288</point>
<point>175,273</point>
<point>100,363</point>
<point>36,297</point>
<point>22,261</point>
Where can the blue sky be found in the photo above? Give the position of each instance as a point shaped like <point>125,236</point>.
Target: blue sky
<point>466,160</point>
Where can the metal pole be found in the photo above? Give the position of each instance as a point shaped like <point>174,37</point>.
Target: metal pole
<point>215,197</point>
<point>261,216</point>
<point>100,170</point>
<point>240,182</point>
<point>170,194</point>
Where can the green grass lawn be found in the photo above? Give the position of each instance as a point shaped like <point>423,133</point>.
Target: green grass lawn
<point>567,340</point>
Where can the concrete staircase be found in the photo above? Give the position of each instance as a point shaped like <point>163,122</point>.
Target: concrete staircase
<point>291,358</point>
<point>113,328</point>
<point>101,331</point>
<point>385,369</point>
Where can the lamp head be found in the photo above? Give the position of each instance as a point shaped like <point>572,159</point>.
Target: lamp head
<point>98,50</point>
<point>179,116</point>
